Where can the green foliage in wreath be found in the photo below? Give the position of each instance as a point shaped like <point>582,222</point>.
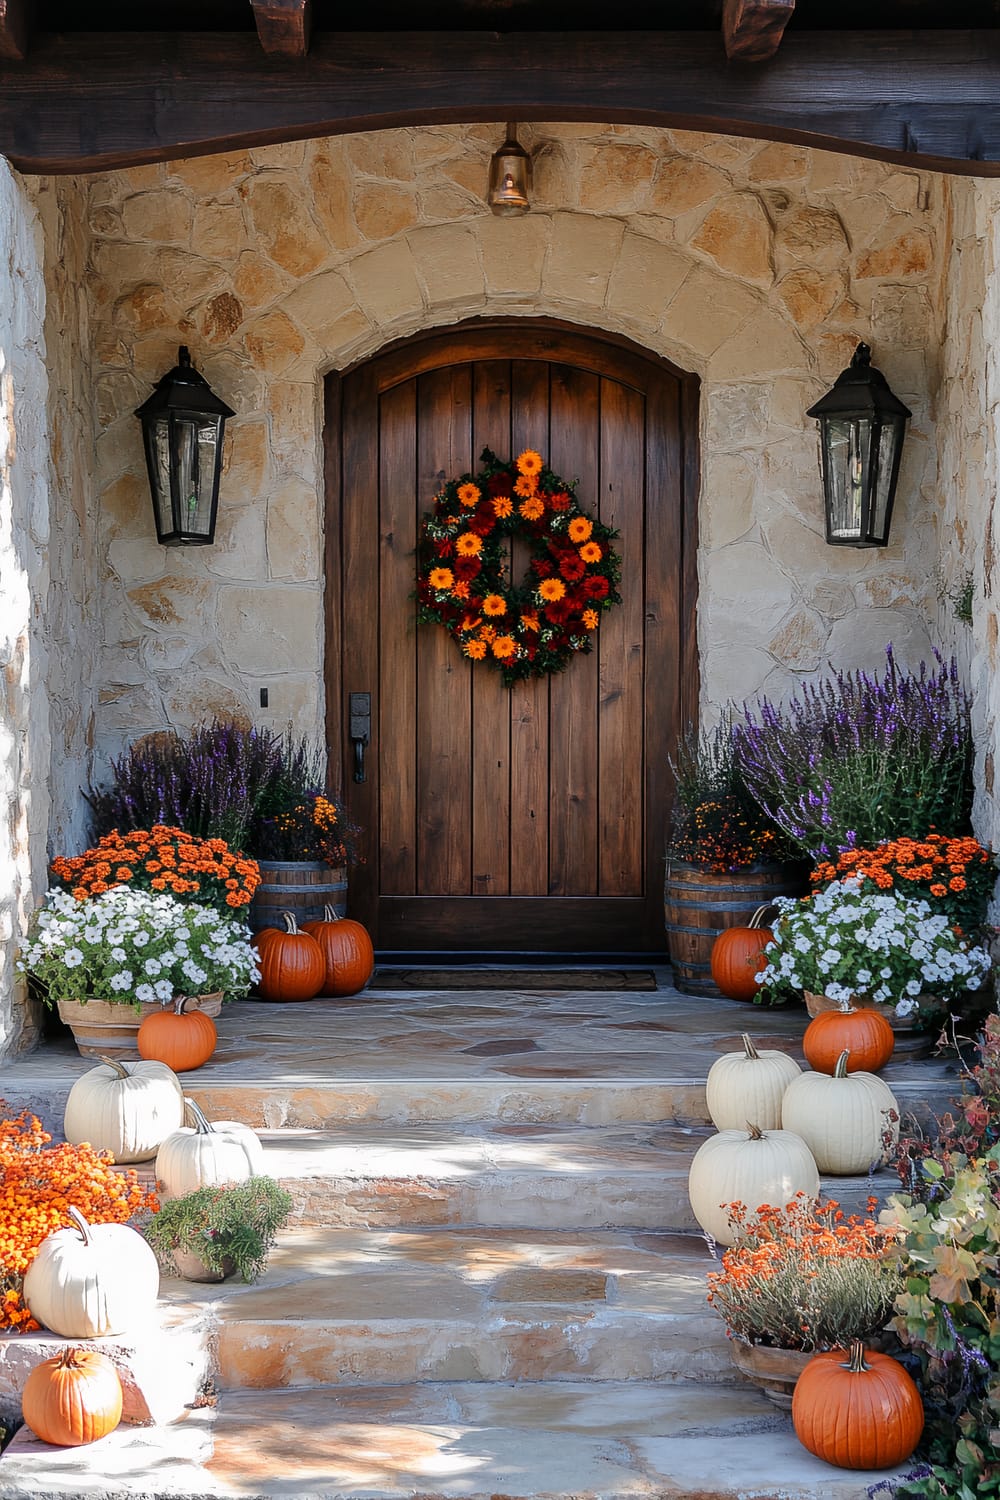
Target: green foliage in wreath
<point>535,626</point>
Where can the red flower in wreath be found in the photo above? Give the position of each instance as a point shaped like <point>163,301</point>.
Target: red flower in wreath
<point>534,626</point>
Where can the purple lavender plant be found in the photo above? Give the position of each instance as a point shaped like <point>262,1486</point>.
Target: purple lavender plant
<point>222,781</point>
<point>856,758</point>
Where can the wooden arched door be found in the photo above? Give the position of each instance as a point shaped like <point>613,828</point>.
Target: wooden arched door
<point>533,818</point>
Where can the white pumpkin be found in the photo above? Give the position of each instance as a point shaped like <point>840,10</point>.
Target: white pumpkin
<point>92,1280</point>
<point>850,1121</point>
<point>749,1085</point>
<point>749,1166</point>
<point>125,1108</point>
<point>207,1155</point>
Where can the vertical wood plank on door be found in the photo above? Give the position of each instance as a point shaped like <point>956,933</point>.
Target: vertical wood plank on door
<point>444,696</point>
<point>621,714</point>
<point>665,619</point>
<point>529,701</point>
<point>397,630</point>
<point>359,560</point>
<point>490,699</point>
<point>574,416</point>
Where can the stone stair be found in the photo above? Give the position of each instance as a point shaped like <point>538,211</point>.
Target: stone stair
<point>489,1288</point>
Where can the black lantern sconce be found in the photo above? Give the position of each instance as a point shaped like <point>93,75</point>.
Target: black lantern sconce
<point>509,190</point>
<point>861,429</point>
<point>182,426</point>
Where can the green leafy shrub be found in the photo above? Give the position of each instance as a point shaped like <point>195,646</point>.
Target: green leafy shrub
<point>218,1224</point>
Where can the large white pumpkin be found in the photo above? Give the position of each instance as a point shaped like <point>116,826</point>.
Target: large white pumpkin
<point>207,1155</point>
<point>752,1167</point>
<point>749,1085</point>
<point>126,1108</point>
<point>92,1280</point>
<point>850,1121</point>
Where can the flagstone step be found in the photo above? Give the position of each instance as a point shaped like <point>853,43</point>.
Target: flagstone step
<point>397,1306</point>
<point>474,1441</point>
<point>508,1176</point>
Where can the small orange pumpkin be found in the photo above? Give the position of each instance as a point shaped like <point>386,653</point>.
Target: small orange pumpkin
<point>73,1398</point>
<point>738,954</point>
<point>347,951</point>
<point>291,963</point>
<point>181,1039</point>
<point>860,1411</point>
<point>864,1033</point>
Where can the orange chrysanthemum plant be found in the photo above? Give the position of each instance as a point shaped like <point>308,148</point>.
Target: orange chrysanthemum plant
<point>804,1276</point>
<point>531,627</point>
<point>165,859</point>
<point>954,875</point>
<point>38,1184</point>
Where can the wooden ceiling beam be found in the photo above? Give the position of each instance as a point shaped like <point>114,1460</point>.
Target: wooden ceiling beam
<point>283,27</point>
<point>84,103</point>
<point>752,29</point>
<point>14,30</point>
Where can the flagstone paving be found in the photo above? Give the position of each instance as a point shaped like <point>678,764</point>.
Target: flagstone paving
<point>490,1286</point>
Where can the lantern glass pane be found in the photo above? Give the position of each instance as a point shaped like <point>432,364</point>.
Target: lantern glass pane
<point>160,451</point>
<point>193,476</point>
<point>890,437</point>
<point>848,442</point>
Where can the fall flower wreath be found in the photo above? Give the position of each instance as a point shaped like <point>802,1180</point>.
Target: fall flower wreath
<point>531,628</point>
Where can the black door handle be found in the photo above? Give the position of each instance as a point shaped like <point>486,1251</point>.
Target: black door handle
<point>361,723</point>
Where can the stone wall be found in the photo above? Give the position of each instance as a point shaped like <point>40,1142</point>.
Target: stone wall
<point>970,475</point>
<point>24,579</point>
<point>758,266</point>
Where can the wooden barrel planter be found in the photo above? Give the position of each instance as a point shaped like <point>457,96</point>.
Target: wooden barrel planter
<point>697,906</point>
<point>303,887</point>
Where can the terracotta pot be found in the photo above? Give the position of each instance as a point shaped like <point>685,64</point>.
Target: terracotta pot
<point>193,1268</point>
<point>775,1371</point>
<point>103,1029</point>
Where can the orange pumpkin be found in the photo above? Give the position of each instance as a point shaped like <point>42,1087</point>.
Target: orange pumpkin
<point>737,955</point>
<point>181,1039</point>
<point>864,1034</point>
<point>73,1398</point>
<point>857,1411</point>
<point>291,963</point>
<point>347,951</point>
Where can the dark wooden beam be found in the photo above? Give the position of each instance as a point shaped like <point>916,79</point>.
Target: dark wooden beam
<point>283,26</point>
<point>752,29</point>
<point>85,103</point>
<point>14,30</point>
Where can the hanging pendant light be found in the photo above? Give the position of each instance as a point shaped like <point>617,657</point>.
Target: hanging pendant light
<point>183,422</point>
<point>510,177</point>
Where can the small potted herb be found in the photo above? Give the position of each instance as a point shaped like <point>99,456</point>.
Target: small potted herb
<point>216,1231</point>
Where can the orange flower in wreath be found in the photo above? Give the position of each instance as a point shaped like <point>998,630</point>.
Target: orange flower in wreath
<point>551,589</point>
<point>494,604</point>
<point>591,619</point>
<point>591,552</point>
<point>503,505</point>
<point>532,509</point>
<point>504,647</point>
<point>468,544</point>
<point>580,529</point>
<point>469,495</point>
<point>441,578</point>
<point>529,462</point>
<point>475,650</point>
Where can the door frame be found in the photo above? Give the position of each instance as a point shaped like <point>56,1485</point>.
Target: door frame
<point>434,348</point>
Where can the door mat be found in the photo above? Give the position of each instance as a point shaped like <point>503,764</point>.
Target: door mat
<point>630,980</point>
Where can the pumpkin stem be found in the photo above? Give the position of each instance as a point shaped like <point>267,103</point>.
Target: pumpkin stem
<point>840,1071</point>
<point>115,1066</point>
<point>756,1134</point>
<point>80,1223</point>
<point>201,1125</point>
<point>758,916</point>
<point>330,914</point>
<point>291,926</point>
<point>856,1361</point>
<point>179,1003</point>
<point>69,1359</point>
<point>750,1051</point>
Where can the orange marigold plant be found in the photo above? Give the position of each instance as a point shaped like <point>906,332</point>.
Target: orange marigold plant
<point>803,1276</point>
<point>954,875</point>
<point>162,858</point>
<point>38,1184</point>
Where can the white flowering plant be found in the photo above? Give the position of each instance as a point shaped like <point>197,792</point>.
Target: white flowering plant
<point>130,946</point>
<point>877,946</point>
